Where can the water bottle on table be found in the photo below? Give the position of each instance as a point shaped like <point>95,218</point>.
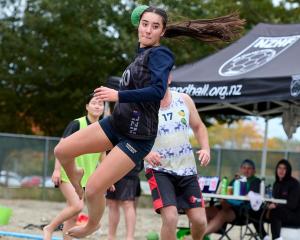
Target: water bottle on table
<point>269,191</point>
<point>224,185</point>
<point>236,187</point>
<point>262,189</point>
<point>243,186</point>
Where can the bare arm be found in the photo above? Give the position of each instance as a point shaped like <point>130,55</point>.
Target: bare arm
<point>56,173</point>
<point>199,129</point>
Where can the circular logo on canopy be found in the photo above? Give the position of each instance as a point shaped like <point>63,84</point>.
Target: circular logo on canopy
<point>247,62</point>
<point>257,54</point>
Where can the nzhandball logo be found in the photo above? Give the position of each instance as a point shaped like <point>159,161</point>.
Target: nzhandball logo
<point>260,52</point>
<point>125,80</point>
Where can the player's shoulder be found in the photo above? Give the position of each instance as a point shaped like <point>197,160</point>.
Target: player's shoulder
<point>185,97</point>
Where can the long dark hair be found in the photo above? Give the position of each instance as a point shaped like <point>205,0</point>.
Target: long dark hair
<point>223,28</point>
<point>288,166</point>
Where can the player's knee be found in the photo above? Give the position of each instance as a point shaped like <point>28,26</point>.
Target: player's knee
<point>61,152</point>
<point>199,222</point>
<point>91,192</point>
<point>170,220</point>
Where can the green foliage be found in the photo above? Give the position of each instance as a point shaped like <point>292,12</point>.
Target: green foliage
<point>60,52</point>
<point>56,52</point>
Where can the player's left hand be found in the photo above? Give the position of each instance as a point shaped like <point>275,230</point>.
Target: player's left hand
<point>204,156</point>
<point>106,94</point>
<point>153,158</point>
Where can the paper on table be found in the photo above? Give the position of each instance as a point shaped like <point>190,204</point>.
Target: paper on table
<point>255,200</point>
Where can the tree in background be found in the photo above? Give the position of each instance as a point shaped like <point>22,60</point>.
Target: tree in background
<point>238,135</point>
<point>244,135</point>
<point>56,54</point>
<point>53,53</point>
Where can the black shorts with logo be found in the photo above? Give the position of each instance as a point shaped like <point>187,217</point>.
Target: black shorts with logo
<point>127,188</point>
<point>133,148</point>
<point>172,190</point>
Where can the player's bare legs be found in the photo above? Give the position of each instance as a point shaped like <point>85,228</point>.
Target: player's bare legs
<point>115,165</point>
<point>88,140</point>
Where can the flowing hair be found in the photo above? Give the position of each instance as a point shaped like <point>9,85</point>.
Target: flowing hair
<point>224,28</point>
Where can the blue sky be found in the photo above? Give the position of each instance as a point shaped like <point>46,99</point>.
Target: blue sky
<point>275,128</point>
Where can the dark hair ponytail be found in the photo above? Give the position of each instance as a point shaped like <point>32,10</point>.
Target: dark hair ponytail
<point>223,28</point>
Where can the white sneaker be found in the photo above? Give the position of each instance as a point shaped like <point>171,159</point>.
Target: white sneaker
<point>267,237</point>
<point>280,238</point>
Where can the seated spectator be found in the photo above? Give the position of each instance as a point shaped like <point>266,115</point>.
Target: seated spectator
<point>285,187</point>
<point>231,210</point>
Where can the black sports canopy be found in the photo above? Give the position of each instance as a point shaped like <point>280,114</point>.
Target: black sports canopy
<point>259,73</point>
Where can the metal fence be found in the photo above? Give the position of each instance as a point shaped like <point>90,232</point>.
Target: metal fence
<point>27,160</point>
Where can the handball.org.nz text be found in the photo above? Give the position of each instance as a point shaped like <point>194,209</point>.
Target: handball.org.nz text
<point>206,90</point>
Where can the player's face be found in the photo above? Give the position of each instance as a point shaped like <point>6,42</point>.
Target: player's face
<point>150,29</point>
<point>95,108</point>
<point>281,171</point>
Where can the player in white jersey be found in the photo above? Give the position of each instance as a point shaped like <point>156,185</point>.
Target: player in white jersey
<point>170,166</point>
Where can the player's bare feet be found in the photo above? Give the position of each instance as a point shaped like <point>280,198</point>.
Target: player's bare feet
<point>47,233</point>
<point>82,231</point>
<point>75,180</point>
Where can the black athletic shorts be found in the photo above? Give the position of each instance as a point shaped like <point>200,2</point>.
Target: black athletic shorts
<point>135,149</point>
<point>127,188</point>
<point>171,190</point>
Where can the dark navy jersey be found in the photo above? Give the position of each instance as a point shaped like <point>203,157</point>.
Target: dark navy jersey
<point>143,85</point>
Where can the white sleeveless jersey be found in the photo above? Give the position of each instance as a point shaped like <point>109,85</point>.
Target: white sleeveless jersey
<point>172,141</point>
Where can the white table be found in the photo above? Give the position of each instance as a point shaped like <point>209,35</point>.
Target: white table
<point>146,190</point>
<point>243,198</point>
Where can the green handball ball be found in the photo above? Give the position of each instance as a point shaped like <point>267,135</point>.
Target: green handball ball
<point>152,236</point>
<point>136,14</point>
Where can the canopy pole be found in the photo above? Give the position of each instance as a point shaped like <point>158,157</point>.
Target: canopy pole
<point>287,148</point>
<point>264,150</point>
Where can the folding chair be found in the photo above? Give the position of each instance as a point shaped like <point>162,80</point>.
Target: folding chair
<point>223,233</point>
<point>244,222</point>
